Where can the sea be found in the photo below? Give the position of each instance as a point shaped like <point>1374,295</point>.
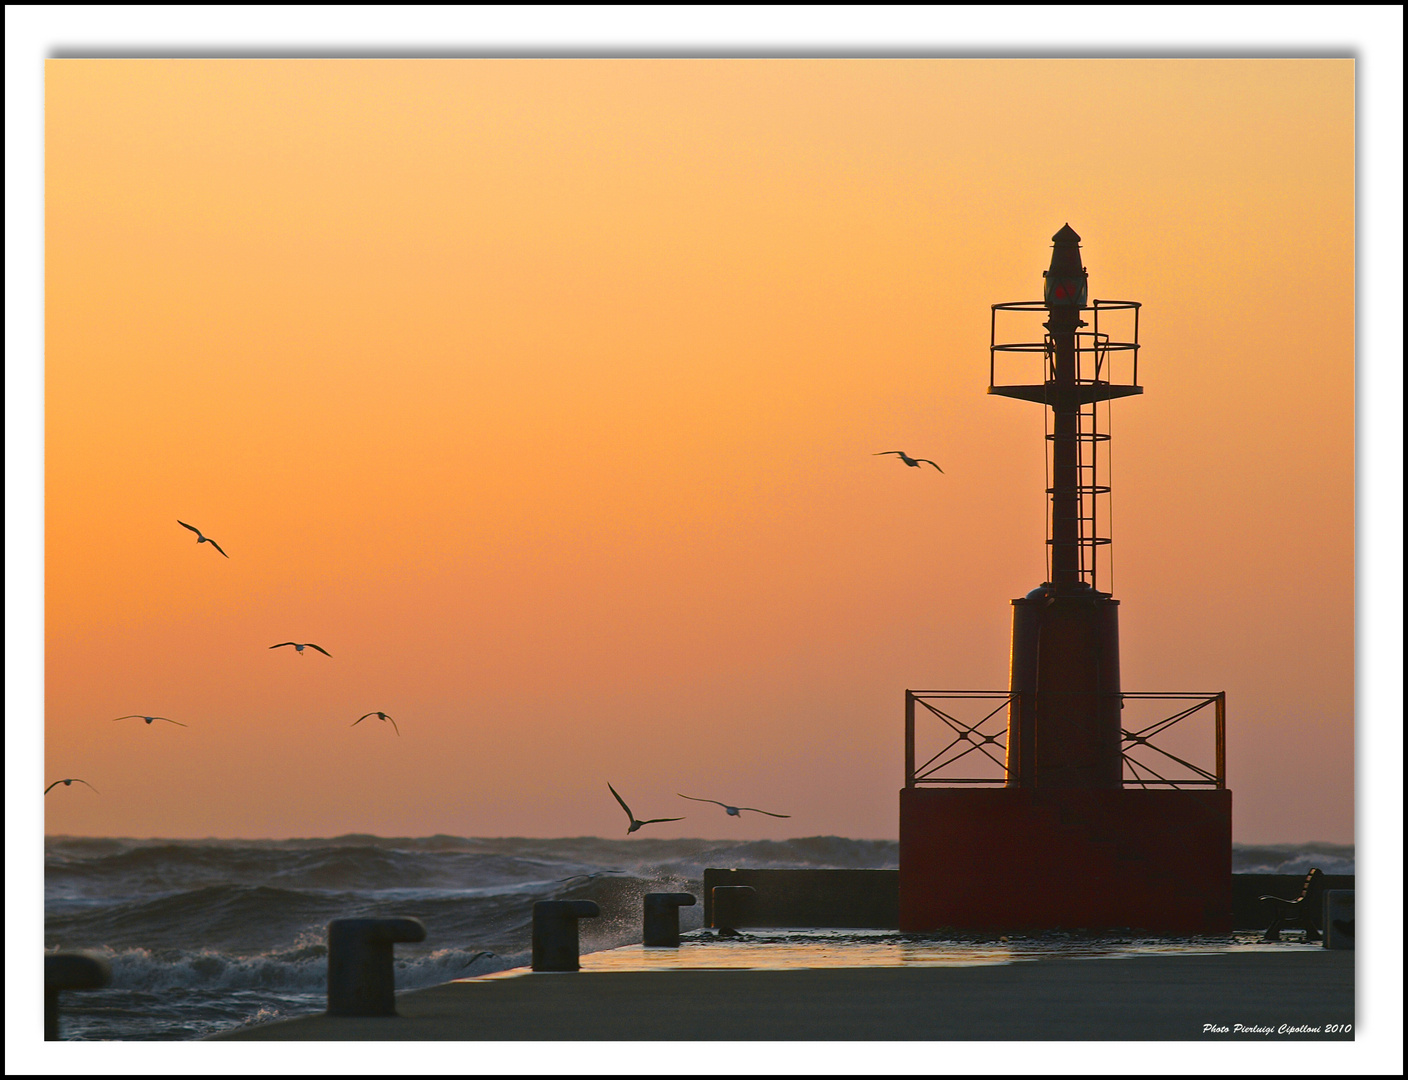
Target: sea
<point>208,935</point>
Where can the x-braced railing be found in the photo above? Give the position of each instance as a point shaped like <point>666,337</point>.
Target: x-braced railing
<point>1144,775</point>
<point>967,738</point>
<point>970,737</point>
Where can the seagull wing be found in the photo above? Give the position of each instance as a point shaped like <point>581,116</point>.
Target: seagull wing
<point>691,798</point>
<point>169,721</point>
<point>882,452</point>
<point>768,812</point>
<point>218,548</point>
<point>928,462</point>
<point>70,780</point>
<point>654,820</point>
<point>130,716</point>
<point>393,723</point>
<point>281,644</point>
<point>191,527</point>
<point>622,802</point>
<point>360,719</point>
<point>319,648</point>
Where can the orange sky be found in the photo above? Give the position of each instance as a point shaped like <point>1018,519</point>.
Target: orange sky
<point>544,394</point>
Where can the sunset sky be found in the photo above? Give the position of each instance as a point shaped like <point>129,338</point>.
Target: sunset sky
<point>544,395</point>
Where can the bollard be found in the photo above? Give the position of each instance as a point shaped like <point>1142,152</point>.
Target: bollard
<point>1339,919</point>
<point>69,971</point>
<point>555,933</point>
<point>361,977</point>
<point>662,918</point>
<point>729,901</point>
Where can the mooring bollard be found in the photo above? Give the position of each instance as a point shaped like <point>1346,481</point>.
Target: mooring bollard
<point>361,975</point>
<point>555,933</point>
<point>728,907</point>
<point>69,971</point>
<point>1339,919</point>
<point>662,918</point>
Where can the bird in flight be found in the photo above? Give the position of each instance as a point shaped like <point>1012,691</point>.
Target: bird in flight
<point>588,877</point>
<point>149,719</point>
<point>68,783</point>
<point>380,714</point>
<point>476,956</point>
<point>634,823</point>
<point>308,645</point>
<point>912,462</point>
<point>201,538</point>
<point>733,811</point>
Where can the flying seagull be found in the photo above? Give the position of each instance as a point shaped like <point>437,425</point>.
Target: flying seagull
<point>634,823</point>
<point>149,719</point>
<point>308,645</point>
<point>476,956</point>
<point>589,877</point>
<point>380,714</point>
<point>733,811</point>
<point>912,462</point>
<point>68,783</point>
<point>201,538</point>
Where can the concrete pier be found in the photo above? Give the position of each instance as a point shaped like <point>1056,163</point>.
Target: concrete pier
<point>1138,998</point>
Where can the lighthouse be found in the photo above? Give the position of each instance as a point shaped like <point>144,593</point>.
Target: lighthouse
<point>1082,824</point>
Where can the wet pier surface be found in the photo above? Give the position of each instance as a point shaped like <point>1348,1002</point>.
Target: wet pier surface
<point>860,986</point>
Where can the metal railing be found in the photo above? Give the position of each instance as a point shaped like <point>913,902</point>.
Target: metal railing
<point>1142,774</point>
<point>985,737</point>
<point>967,738</point>
<point>1104,347</point>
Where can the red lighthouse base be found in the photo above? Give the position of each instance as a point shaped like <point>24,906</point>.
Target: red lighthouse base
<point>1076,859</point>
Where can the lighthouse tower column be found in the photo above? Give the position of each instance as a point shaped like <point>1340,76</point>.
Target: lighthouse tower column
<point>1065,635</point>
<point>1068,839</point>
